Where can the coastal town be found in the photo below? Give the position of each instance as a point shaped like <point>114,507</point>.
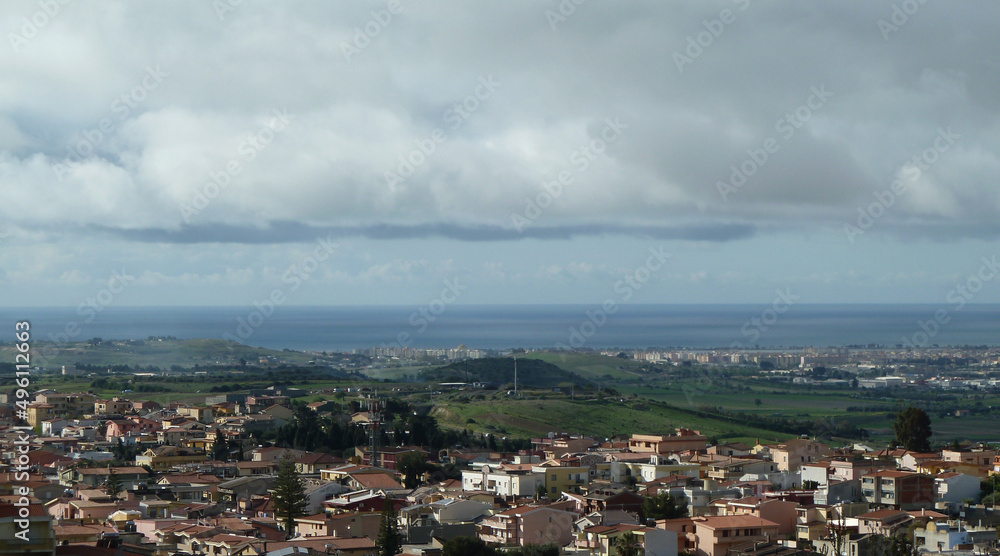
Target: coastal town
<point>89,475</point>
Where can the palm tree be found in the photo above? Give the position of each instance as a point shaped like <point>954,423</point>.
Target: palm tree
<point>628,545</point>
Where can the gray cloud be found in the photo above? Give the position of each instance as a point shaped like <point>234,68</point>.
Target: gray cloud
<point>355,118</point>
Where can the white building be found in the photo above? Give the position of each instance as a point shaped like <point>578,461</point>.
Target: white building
<point>502,482</point>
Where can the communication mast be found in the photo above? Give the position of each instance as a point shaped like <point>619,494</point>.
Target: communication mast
<point>374,406</point>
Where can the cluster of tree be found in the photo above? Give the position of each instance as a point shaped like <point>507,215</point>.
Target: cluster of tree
<point>823,428</point>
<point>870,409</point>
<point>990,489</point>
<point>664,506</point>
<point>823,373</point>
<point>236,387</point>
<point>224,450</point>
<point>404,426</point>
<point>112,384</point>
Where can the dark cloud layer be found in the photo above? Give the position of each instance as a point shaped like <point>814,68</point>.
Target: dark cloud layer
<point>291,232</point>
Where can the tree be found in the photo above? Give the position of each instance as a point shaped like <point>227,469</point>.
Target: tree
<point>389,541</point>
<point>114,484</point>
<point>412,466</point>
<point>467,546</point>
<point>540,492</point>
<point>664,506</point>
<point>289,494</point>
<point>220,448</point>
<point>913,429</point>
<point>628,545</point>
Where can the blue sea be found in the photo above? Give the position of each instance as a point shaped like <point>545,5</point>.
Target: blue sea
<point>344,328</point>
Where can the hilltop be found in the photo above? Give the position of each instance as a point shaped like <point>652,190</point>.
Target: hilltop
<point>499,371</point>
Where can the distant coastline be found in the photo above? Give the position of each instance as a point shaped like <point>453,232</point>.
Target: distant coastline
<point>491,327</point>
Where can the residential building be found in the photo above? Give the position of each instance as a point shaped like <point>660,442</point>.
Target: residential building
<point>528,525</point>
<point>39,412</point>
<point>898,489</point>
<point>715,535</point>
<point>506,483</point>
<point>133,426</point>
<point>68,405</point>
<point>957,487</point>
<point>791,455</point>
<point>883,522</point>
<point>347,525</point>
<point>685,440</point>
<point>559,479</point>
<point>41,536</point>
<point>781,512</point>
<point>978,457</point>
<point>114,406</point>
<point>952,536</point>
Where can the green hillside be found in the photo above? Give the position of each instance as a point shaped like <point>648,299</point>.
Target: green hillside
<point>531,373</point>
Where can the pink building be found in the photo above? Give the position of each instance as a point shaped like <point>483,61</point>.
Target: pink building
<point>133,426</point>
<point>781,512</point>
<point>714,535</point>
<point>528,525</point>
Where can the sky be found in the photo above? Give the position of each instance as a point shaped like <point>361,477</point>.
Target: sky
<point>335,153</point>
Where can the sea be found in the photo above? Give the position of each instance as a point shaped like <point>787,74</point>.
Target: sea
<point>502,327</point>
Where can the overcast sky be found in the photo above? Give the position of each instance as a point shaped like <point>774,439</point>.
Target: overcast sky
<point>535,151</point>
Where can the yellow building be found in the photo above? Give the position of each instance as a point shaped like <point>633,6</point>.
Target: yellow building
<point>560,479</point>
<point>40,535</point>
<point>38,412</point>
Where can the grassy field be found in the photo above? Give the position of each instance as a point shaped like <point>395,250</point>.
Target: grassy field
<point>157,353</point>
<point>797,402</point>
<point>592,367</point>
<point>532,417</point>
